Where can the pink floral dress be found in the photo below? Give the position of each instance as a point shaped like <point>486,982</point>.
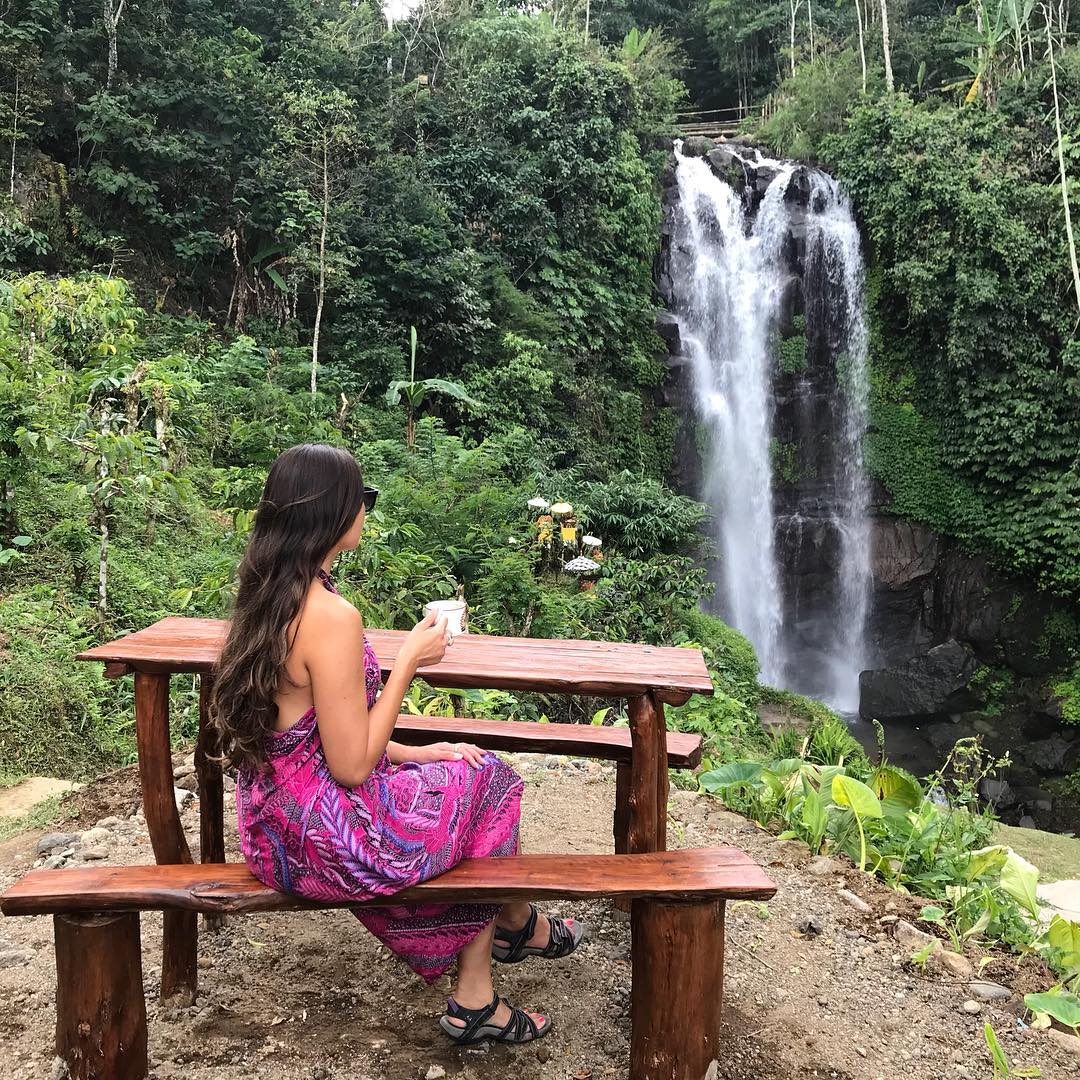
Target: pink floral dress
<point>304,833</point>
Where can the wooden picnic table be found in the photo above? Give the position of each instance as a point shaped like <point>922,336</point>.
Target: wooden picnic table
<point>648,677</point>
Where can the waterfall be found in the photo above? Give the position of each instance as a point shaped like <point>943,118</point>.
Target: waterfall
<point>793,562</point>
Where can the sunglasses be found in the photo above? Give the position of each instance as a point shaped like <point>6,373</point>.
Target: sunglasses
<point>370,495</point>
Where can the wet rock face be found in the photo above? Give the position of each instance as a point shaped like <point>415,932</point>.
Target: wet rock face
<point>927,591</point>
<point>932,685</point>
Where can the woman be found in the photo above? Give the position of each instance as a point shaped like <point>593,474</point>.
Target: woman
<point>329,807</point>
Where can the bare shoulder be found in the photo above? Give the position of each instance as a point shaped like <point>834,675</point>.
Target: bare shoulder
<point>330,619</point>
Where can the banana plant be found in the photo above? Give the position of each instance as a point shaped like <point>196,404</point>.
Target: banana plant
<point>414,391</point>
<point>988,39</point>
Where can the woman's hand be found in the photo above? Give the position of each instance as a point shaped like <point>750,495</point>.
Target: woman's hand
<point>448,751</point>
<point>427,642</point>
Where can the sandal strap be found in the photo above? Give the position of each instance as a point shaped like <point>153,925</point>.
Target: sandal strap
<point>561,942</point>
<point>520,1025</point>
<point>516,941</point>
<point>474,1019</point>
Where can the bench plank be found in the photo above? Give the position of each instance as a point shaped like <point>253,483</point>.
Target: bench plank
<point>580,740</point>
<point>701,873</point>
<point>548,665</point>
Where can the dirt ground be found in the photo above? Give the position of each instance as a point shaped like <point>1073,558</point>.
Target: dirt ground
<point>311,996</point>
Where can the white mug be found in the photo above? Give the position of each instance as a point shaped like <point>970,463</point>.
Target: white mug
<point>454,610</point>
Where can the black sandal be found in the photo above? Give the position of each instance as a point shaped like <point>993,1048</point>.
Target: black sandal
<point>520,1028</point>
<point>510,946</point>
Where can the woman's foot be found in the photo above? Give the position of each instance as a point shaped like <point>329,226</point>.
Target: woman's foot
<point>538,935</point>
<point>497,1020</point>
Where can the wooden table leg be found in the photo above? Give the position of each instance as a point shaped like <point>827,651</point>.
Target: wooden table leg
<point>211,791</point>
<point>646,750</point>
<point>179,979</point>
<point>677,989</point>
<point>661,774</point>
<point>621,824</point>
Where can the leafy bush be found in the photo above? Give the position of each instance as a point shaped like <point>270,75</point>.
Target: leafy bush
<point>1068,689</point>
<point>811,104</point>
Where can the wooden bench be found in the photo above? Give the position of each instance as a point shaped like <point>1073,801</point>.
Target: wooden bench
<point>578,740</point>
<point>677,936</point>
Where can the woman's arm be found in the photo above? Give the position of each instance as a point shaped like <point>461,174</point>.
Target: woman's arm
<point>353,736</point>
<point>399,753</point>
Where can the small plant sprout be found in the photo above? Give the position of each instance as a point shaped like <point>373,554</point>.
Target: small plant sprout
<point>919,958</point>
<point>1002,1069</point>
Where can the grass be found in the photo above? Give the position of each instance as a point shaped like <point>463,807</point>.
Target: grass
<point>40,816</point>
<point>1056,856</point>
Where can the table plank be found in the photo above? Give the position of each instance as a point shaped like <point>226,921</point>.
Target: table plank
<point>597,668</point>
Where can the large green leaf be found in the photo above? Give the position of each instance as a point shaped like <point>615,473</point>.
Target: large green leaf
<point>899,793</point>
<point>395,390</point>
<point>987,858</point>
<point>1019,879</point>
<point>731,775</point>
<point>1064,935</point>
<point>847,791</point>
<point>277,279</point>
<point>1060,1004</point>
<point>814,816</point>
<point>451,389</point>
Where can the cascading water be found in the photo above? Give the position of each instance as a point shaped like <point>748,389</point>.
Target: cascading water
<point>794,561</point>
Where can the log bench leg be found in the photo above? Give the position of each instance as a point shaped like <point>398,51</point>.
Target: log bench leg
<point>678,978</point>
<point>100,1009</point>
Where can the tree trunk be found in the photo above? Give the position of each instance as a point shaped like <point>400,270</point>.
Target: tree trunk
<point>103,563</point>
<point>14,136</point>
<point>862,45</point>
<point>322,263</point>
<point>1061,162</point>
<point>886,47</point>
<point>810,16</point>
<point>103,527</point>
<point>111,18</point>
<point>794,10</point>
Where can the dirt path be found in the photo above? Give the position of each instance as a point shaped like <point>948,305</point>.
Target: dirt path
<point>310,996</point>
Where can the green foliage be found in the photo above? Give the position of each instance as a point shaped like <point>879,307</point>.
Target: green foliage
<point>813,103</point>
<point>640,515</point>
<point>792,349</point>
<point>1068,689</point>
<point>887,822</point>
<point>786,467</point>
<point>52,712</point>
<point>170,427</point>
<point>993,686</point>
<point>975,417</point>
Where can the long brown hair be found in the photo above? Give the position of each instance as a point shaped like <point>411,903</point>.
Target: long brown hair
<point>310,500</point>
